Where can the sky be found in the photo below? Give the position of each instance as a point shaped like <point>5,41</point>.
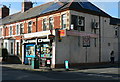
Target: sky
<point>109,6</point>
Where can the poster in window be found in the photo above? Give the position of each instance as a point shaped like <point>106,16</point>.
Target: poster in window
<point>30,50</point>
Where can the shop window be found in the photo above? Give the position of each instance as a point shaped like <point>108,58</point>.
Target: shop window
<point>81,21</point>
<point>74,21</point>
<point>17,48</point>
<point>17,29</point>
<point>64,21</point>
<point>51,23</point>
<point>30,27</point>
<point>44,24</point>
<point>21,28</point>
<point>11,48</point>
<point>11,30</point>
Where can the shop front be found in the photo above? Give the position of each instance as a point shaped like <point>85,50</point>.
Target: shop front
<point>38,50</point>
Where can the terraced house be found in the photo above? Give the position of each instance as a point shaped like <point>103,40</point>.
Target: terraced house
<point>58,31</point>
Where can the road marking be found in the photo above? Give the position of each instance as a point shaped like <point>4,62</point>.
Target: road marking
<point>99,75</point>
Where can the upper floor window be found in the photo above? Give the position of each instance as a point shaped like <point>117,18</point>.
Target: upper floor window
<point>30,27</point>
<point>11,30</point>
<point>17,29</point>
<point>81,23</point>
<point>50,23</point>
<point>44,24</point>
<point>78,22</point>
<point>21,28</point>
<point>64,21</point>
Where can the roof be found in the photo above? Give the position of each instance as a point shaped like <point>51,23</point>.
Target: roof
<point>54,6</point>
<point>114,21</point>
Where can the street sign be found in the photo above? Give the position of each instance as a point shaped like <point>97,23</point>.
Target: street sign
<point>86,41</point>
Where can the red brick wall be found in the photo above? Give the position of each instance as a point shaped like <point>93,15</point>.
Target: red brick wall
<point>34,25</point>
<point>25,27</point>
<point>39,27</point>
<point>7,31</point>
<point>14,29</point>
<point>18,37</point>
<point>56,22</point>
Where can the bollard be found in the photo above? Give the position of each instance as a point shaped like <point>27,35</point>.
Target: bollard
<point>66,65</point>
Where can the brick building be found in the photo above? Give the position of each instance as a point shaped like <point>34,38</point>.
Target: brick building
<point>57,31</point>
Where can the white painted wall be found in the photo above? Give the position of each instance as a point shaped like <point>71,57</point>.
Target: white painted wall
<point>68,49</point>
<point>9,46</point>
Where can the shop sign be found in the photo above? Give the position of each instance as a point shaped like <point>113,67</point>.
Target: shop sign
<point>86,41</point>
<point>37,34</point>
<point>62,33</point>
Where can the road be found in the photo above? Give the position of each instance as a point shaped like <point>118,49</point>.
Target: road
<point>87,74</point>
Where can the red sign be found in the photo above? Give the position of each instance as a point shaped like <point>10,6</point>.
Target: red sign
<point>62,33</point>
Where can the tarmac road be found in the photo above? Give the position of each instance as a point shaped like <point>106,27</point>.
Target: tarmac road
<point>87,74</point>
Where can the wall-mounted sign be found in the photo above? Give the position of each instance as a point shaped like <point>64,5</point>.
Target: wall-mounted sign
<point>62,33</point>
<point>86,41</point>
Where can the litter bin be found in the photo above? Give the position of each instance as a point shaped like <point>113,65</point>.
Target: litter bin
<point>35,63</point>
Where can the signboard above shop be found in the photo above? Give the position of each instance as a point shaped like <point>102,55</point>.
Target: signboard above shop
<point>37,34</point>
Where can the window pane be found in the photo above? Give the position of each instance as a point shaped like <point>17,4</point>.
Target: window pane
<point>30,27</point>
<point>64,21</point>
<point>10,30</point>
<point>17,29</point>
<point>11,47</point>
<point>17,48</point>
<point>44,24</point>
<point>21,29</point>
<point>50,23</point>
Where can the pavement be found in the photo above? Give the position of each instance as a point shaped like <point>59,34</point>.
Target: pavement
<point>78,69</point>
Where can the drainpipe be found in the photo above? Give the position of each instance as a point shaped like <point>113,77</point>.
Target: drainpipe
<point>99,38</point>
<point>118,43</point>
<point>36,24</point>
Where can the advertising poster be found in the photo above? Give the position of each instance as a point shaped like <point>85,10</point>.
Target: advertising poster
<point>30,50</point>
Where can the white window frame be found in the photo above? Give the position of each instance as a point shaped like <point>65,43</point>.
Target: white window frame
<point>51,22</point>
<point>21,28</point>
<point>64,20</point>
<point>17,29</point>
<point>30,26</point>
<point>45,22</point>
<point>10,30</point>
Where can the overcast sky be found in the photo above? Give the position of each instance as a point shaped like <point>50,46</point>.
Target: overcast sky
<point>109,6</point>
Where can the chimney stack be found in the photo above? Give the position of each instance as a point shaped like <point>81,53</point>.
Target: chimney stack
<point>4,11</point>
<point>26,5</point>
